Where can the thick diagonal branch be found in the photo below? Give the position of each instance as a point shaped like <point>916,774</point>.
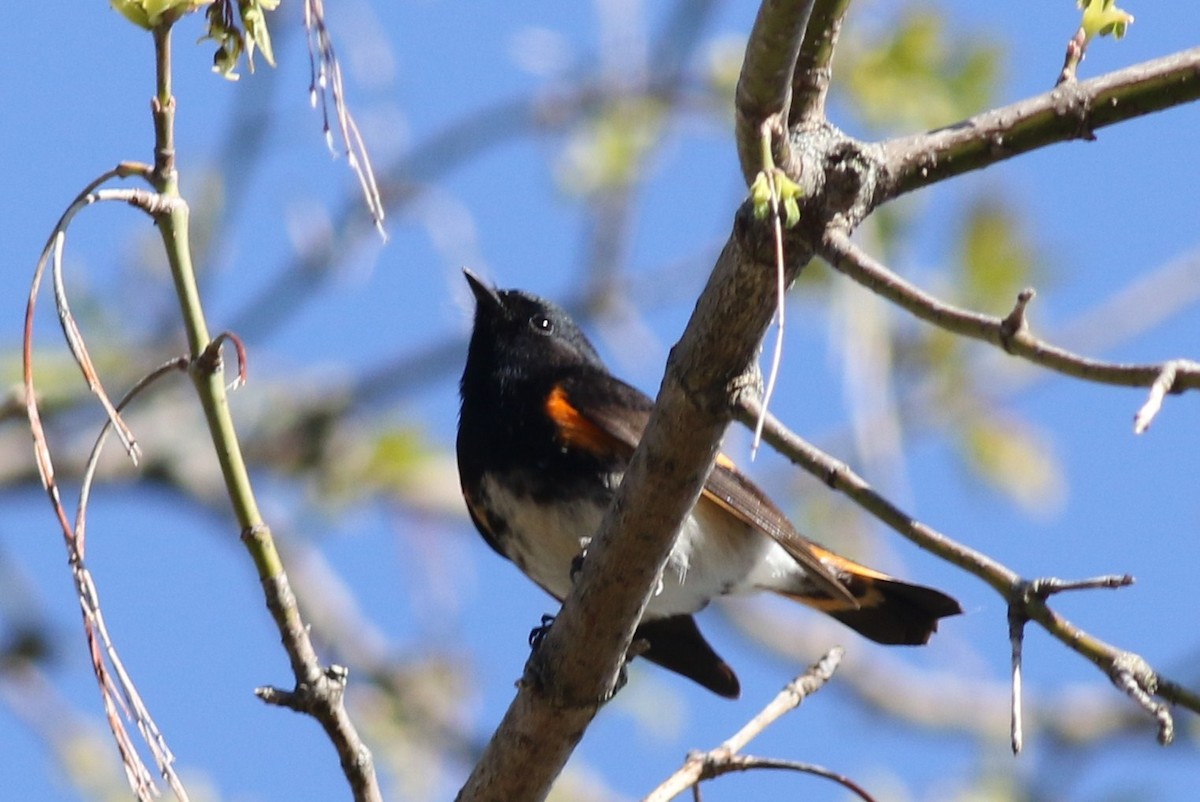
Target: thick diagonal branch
<point>765,84</point>
<point>575,667</point>
<point>813,71</point>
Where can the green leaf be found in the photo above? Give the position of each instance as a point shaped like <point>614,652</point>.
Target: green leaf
<point>233,39</point>
<point>791,210</point>
<point>1103,18</point>
<point>150,13</point>
<point>788,195</point>
<point>254,21</point>
<point>760,196</point>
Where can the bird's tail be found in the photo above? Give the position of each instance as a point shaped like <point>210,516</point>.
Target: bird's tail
<point>889,610</point>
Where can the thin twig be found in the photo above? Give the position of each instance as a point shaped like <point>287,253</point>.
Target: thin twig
<point>768,128</point>
<point>325,87</point>
<point>1040,590</point>
<point>116,686</point>
<point>90,600</point>
<point>750,762</point>
<point>119,695</point>
<point>698,765</point>
<point>1074,110</point>
<point>53,252</point>
<point>211,358</point>
<point>1120,666</point>
<point>945,700</point>
<point>1016,640</point>
<point>1010,333</point>
<point>1165,383</point>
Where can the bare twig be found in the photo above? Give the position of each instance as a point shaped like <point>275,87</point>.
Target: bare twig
<point>1018,617</point>
<point>750,763</point>
<point>769,170</point>
<point>118,693</point>
<point>211,359</point>
<point>1165,383</point>
<point>574,669</point>
<point>1123,668</point>
<point>89,599</point>
<point>703,765</point>
<point>1016,640</point>
<point>1010,333</point>
<point>946,700</point>
<point>53,252</point>
<point>326,86</point>
<point>1074,110</point>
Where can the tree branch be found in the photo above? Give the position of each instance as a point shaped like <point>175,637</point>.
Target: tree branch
<point>574,670</point>
<point>1073,110</point>
<point>1128,671</point>
<point>318,690</point>
<point>945,701</point>
<point>765,84</point>
<point>812,73</point>
<point>752,763</point>
<point>701,766</point>
<point>1011,332</point>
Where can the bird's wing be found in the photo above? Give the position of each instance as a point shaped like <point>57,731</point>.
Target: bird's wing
<point>605,416</point>
<point>740,497</point>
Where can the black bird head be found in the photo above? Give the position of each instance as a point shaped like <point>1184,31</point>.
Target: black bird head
<point>517,334</point>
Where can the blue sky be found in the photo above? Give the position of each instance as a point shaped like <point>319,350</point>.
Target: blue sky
<point>180,595</point>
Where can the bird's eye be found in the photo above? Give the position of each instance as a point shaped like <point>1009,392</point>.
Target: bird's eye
<point>541,324</point>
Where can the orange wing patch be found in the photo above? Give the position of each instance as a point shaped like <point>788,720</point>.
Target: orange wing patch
<point>577,431</point>
<point>860,580</point>
<point>845,565</point>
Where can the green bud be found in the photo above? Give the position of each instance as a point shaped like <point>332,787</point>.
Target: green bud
<point>1103,18</point>
<point>151,13</point>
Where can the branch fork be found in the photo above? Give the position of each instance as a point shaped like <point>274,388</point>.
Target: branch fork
<point>323,694</point>
<point>1024,596</point>
<point>725,758</point>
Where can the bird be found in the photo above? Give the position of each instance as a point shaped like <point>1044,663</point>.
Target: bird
<point>545,433</point>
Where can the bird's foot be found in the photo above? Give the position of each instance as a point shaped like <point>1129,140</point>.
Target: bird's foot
<point>538,633</point>
<point>577,562</point>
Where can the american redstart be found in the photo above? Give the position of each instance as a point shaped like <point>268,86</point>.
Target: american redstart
<point>544,435</point>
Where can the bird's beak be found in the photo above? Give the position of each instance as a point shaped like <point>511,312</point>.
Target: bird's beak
<point>485,296</point>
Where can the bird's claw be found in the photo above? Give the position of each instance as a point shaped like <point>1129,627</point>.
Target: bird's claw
<point>538,633</point>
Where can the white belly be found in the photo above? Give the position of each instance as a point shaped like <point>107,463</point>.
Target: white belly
<point>714,555</point>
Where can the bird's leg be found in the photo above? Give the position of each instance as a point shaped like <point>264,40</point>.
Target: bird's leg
<point>577,562</point>
<point>538,633</point>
